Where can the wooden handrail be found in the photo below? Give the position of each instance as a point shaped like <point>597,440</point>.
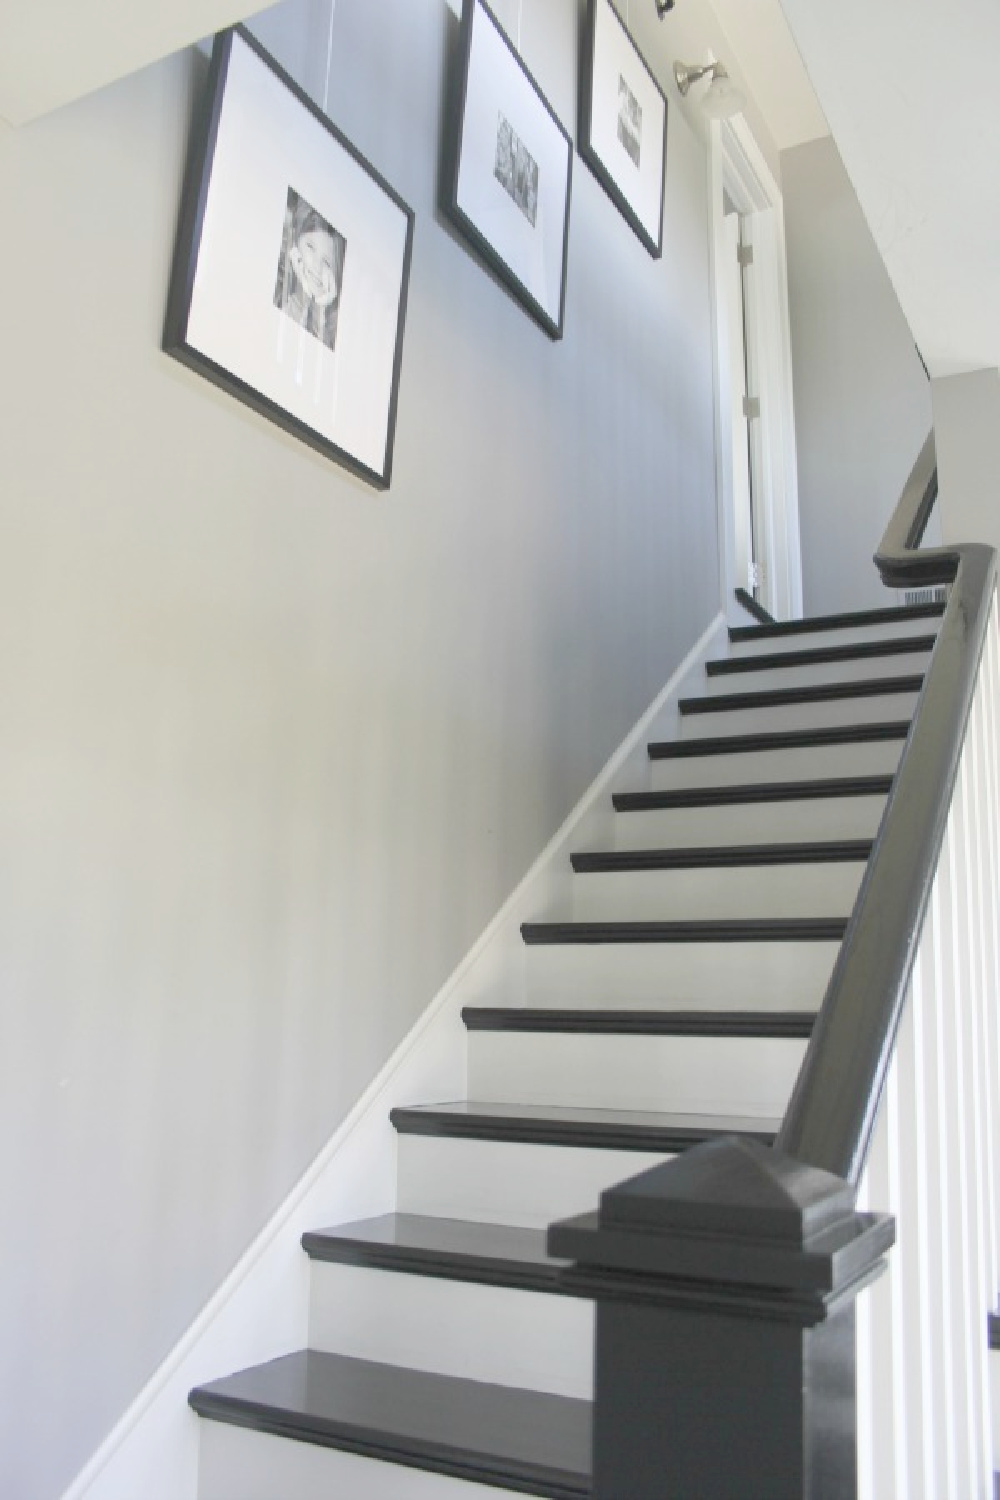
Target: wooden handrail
<point>832,1112</point>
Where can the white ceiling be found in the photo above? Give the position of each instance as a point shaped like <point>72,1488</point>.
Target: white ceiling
<point>54,51</point>
<point>765,52</point>
<point>910,90</point>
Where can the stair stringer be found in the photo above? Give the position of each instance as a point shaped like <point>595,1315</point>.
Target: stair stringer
<point>261,1309</point>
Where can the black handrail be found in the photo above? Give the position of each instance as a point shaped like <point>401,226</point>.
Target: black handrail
<point>832,1112</point>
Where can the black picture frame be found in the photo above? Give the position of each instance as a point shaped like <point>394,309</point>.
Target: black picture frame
<point>623,123</point>
<point>511,170</point>
<point>291,267</point>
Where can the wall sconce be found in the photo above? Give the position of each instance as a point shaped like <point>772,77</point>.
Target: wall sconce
<point>721,98</point>
<point>662,6</point>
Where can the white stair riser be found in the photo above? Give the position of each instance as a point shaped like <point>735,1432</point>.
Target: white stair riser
<point>497,1182</point>
<point>854,635</point>
<point>239,1464</point>
<point>748,823</point>
<point>690,1074</point>
<point>496,1334</point>
<point>726,976</point>
<point>808,763</point>
<point>810,890</point>
<point>763,679</point>
<point>872,710</point>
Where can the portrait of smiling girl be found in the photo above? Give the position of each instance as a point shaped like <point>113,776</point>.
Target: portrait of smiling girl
<point>310,270</point>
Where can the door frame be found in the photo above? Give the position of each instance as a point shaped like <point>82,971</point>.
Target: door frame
<point>738,169</point>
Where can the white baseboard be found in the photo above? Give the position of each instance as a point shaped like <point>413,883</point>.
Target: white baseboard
<point>261,1309</point>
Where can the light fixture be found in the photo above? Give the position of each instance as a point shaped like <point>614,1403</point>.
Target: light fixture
<point>721,99</point>
<point>662,6</point>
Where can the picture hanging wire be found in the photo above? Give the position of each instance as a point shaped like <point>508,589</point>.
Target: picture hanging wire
<point>329,60</point>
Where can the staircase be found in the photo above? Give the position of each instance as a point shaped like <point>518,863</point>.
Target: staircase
<point>670,1003</point>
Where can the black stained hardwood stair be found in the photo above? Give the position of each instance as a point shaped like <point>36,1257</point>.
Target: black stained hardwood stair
<point>822,692</point>
<point>816,624</point>
<point>907,645</point>
<point>760,791</point>
<point>549,1020</point>
<point>507,1255</point>
<point>781,739</point>
<point>715,930</point>
<point>552,1125</point>
<point>519,1440</point>
<point>721,857</point>
<point>529,1441</point>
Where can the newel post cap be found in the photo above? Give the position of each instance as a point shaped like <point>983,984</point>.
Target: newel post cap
<point>731,1214</point>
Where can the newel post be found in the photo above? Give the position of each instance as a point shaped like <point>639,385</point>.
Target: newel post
<point>725,1282</point>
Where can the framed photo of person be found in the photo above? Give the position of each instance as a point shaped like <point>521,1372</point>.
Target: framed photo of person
<point>512,167</point>
<point>623,123</point>
<point>292,264</point>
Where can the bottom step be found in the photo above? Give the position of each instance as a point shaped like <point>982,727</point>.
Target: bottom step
<point>522,1441</point>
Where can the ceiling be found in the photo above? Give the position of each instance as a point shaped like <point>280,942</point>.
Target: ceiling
<point>923,166</point>
<point>922,158</point>
<point>54,51</point>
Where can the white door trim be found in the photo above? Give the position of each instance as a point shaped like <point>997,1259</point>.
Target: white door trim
<point>737,167</point>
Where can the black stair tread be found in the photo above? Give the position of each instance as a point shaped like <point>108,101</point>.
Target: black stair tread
<point>779,739</point>
<point>701,1023</point>
<point>821,692</point>
<point>849,620</point>
<point>710,930</point>
<point>904,645</point>
<point>758,791</point>
<point>458,1249</point>
<point>516,1439</point>
<point>753,607</point>
<point>729,856</point>
<point>552,1125</point>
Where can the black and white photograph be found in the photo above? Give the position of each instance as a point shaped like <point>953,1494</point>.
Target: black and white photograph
<point>629,121</point>
<point>310,270</point>
<point>291,265</point>
<point>517,170</point>
<point>512,165</point>
<point>623,123</point>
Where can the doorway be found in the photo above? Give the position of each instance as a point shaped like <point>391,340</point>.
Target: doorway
<point>755,434</point>
<point>735,263</point>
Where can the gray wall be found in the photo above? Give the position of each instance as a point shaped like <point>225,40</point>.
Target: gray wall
<point>274,747</point>
<point>862,402</point>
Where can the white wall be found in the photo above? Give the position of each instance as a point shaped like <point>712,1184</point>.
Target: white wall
<point>862,402</point>
<point>967,437</point>
<point>273,748</point>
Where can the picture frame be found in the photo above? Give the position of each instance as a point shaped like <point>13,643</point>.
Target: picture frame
<point>511,171</point>
<point>291,266</point>
<point>623,123</point>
